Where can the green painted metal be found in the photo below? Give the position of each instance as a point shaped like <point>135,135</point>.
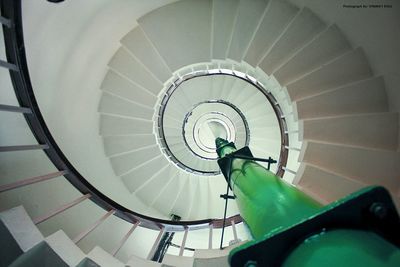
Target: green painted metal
<point>344,248</point>
<point>269,205</point>
<point>266,202</point>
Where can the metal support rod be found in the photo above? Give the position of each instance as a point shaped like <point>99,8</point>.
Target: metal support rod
<point>23,147</point>
<point>31,180</point>
<point>235,237</point>
<point>60,209</point>
<point>269,159</point>
<point>123,240</point>
<point>92,227</point>
<point>9,108</point>
<point>183,242</point>
<point>8,65</point>
<point>226,202</point>
<point>155,245</point>
<point>210,236</point>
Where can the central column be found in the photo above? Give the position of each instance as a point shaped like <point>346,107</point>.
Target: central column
<point>266,202</point>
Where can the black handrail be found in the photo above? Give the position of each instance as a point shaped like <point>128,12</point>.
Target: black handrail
<point>15,52</point>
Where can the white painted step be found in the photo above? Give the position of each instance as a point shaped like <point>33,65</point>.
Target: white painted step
<point>326,46</point>
<point>143,172</point>
<point>111,104</point>
<point>213,257</point>
<point>368,166</point>
<point>327,185</point>
<point>178,261</point>
<point>158,181</point>
<point>121,86</point>
<point>65,248</point>
<point>248,15</point>
<point>223,18</point>
<point>124,163</point>
<point>350,67</point>
<point>21,227</point>
<point>185,197</point>
<point>103,258</point>
<point>302,29</point>
<point>166,198</point>
<point>138,44</point>
<point>112,125</point>
<point>276,18</point>
<point>136,261</point>
<point>119,144</point>
<point>367,96</point>
<point>181,32</point>
<point>379,130</point>
<point>124,63</point>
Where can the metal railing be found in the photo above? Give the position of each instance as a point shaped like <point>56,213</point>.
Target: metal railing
<point>11,21</point>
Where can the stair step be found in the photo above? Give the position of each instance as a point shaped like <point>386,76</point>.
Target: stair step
<point>302,29</point>
<point>326,46</point>
<point>137,177</point>
<point>128,162</point>
<point>86,262</point>
<point>350,67</point>
<point>247,18</point>
<point>21,227</point>
<point>124,63</point>
<point>185,197</point>
<point>367,96</point>
<point>111,104</point>
<point>118,85</point>
<point>39,255</point>
<point>112,125</point>
<point>119,144</point>
<point>179,261</point>
<point>136,261</point>
<point>224,13</point>
<point>378,130</point>
<point>171,30</point>
<point>139,45</point>
<point>157,181</point>
<point>327,185</point>
<point>368,166</point>
<point>276,18</point>
<point>103,258</point>
<point>65,248</point>
<point>165,199</point>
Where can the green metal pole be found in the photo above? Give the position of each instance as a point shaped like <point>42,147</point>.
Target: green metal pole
<point>265,201</point>
<point>270,206</point>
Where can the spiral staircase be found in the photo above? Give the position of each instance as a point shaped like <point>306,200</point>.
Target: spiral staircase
<point>135,121</point>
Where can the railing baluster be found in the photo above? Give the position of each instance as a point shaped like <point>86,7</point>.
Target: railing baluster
<point>288,170</point>
<point>8,65</point>
<point>292,148</point>
<point>155,245</point>
<point>60,209</point>
<point>210,236</point>
<point>235,237</point>
<point>183,242</point>
<point>123,240</point>
<point>23,147</point>
<point>32,180</point>
<point>92,227</point>
<point>15,109</point>
<point>5,21</point>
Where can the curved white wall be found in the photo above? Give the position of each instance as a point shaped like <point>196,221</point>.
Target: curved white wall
<point>68,47</point>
